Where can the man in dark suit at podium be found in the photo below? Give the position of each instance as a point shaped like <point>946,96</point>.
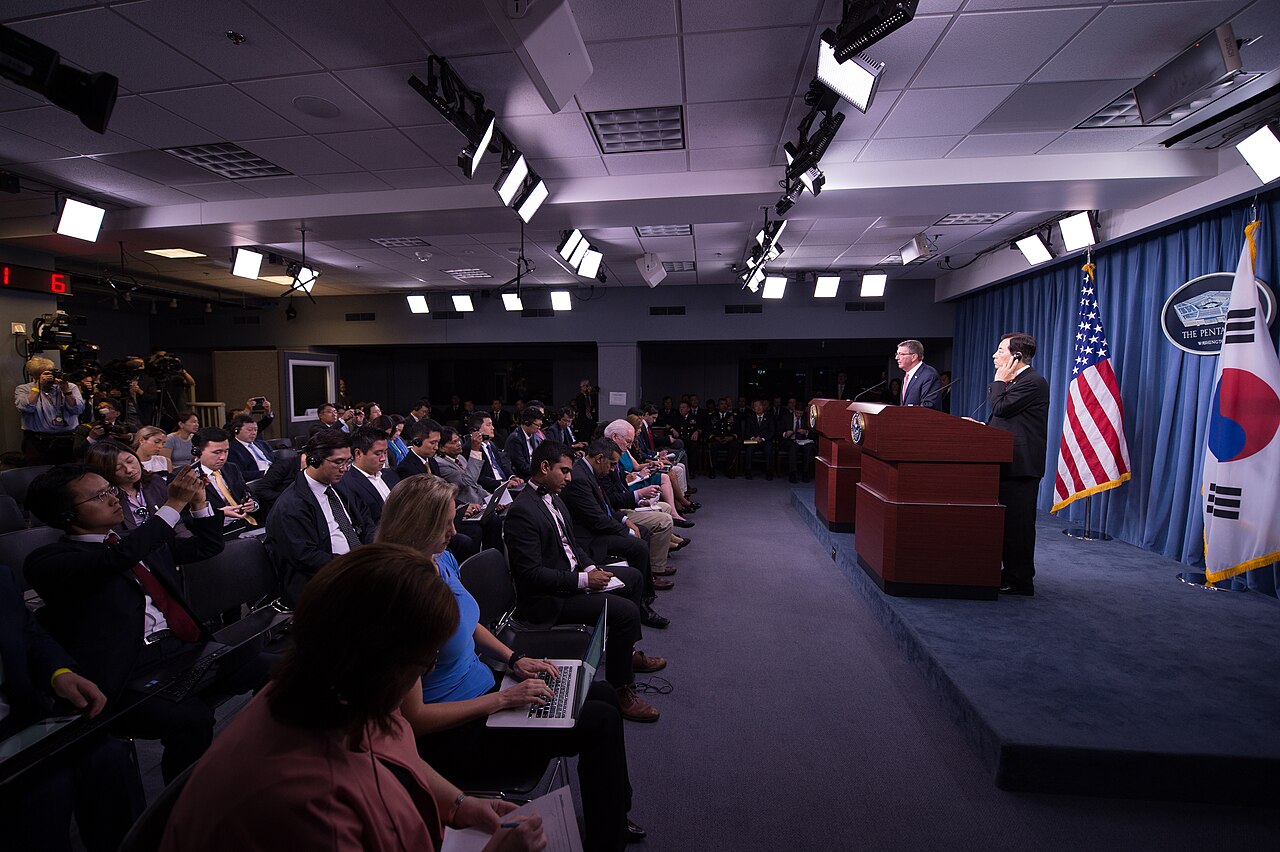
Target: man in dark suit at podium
<point>1019,400</point>
<point>921,385</point>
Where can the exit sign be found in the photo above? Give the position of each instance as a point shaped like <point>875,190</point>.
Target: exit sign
<point>34,280</point>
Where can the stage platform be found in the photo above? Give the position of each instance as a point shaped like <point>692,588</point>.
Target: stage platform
<point>1114,680</point>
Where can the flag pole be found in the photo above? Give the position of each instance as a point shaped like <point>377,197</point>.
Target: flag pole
<point>1086,533</point>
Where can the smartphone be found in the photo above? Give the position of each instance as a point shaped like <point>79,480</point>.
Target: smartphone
<point>204,480</point>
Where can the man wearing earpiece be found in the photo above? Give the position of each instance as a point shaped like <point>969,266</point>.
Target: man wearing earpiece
<point>1019,400</point>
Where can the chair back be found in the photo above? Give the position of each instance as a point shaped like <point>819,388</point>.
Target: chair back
<point>148,831</point>
<point>240,574</point>
<point>488,579</point>
<point>277,444</point>
<point>17,545</point>
<point>11,517</point>
<point>16,481</point>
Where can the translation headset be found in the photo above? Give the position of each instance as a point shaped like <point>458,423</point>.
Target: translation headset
<point>311,451</point>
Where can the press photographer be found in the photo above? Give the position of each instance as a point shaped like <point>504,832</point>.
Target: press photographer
<point>169,379</point>
<point>107,424</point>
<point>50,406</point>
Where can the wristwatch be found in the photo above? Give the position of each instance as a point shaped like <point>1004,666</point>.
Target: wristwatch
<point>516,657</point>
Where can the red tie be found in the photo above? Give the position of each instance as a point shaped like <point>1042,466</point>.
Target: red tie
<point>175,614</point>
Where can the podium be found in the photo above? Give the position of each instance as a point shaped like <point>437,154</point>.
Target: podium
<point>838,466</point>
<point>930,523</point>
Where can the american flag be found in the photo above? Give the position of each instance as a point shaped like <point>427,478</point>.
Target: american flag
<point>1093,455</point>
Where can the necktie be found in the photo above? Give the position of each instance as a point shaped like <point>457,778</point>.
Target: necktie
<point>257,453</point>
<point>221,485</point>
<point>341,518</point>
<point>493,462</point>
<point>564,537</point>
<point>906,380</point>
<point>568,431</point>
<point>175,614</point>
<point>796,428</point>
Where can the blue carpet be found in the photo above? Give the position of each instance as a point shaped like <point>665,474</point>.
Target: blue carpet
<point>1115,679</point>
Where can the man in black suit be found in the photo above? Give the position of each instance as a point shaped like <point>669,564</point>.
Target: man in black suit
<point>604,534</point>
<point>686,425</point>
<point>586,407</point>
<point>252,455</point>
<point>1019,400</point>
<point>116,603</point>
<point>366,481</point>
<point>558,583</point>
<point>421,411</point>
<point>329,418</point>
<point>843,389</point>
<point>224,484</point>
<point>423,438</point>
<point>310,524</point>
<point>562,430</point>
<point>793,427</point>
<point>94,779</point>
<point>757,436</point>
<point>921,385</point>
<point>522,441</point>
<point>723,440</point>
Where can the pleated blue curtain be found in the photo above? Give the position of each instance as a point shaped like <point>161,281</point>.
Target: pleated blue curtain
<point>1166,392</point>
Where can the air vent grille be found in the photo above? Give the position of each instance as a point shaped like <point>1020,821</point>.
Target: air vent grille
<point>680,266</point>
<point>469,274</point>
<point>969,219</point>
<point>744,309</point>
<point>399,242</point>
<point>666,310</point>
<point>864,306</point>
<point>628,130</point>
<point>362,317</point>
<point>664,231</point>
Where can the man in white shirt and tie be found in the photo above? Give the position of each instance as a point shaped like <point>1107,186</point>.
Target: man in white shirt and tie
<point>367,481</point>
<point>921,385</point>
<point>252,455</point>
<point>793,427</point>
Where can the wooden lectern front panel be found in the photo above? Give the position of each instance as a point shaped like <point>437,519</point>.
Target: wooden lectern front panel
<point>926,482</point>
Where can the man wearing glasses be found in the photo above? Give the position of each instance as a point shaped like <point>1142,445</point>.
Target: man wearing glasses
<point>310,523</point>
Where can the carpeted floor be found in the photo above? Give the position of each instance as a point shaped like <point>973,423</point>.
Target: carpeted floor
<point>796,723</point>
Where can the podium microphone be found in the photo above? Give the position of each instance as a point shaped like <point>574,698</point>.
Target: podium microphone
<point>939,391</point>
<point>976,408</point>
<point>870,389</point>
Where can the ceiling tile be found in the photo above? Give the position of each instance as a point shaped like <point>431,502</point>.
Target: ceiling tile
<point>19,148</point>
<point>1001,47</point>
<point>746,157</point>
<point>842,151</point>
<point>650,162</point>
<point>982,5</point>
<point>299,98</point>
<point>704,15</point>
<point>348,182</point>
<point>549,136</point>
<point>11,97</point>
<point>225,111</point>
<point>738,65</point>
<point>224,190</point>
<point>100,40</point>
<point>342,34</point>
<point>378,149</point>
<point>925,148</point>
<point>1051,106</point>
<point>386,88</point>
<point>417,178</point>
<point>160,197</point>
<point>154,126</point>
<point>86,171</point>
<point>282,187</point>
<point>1003,145</point>
<point>1129,42</point>
<point>157,166</point>
<point>454,29</point>
<point>199,30</point>
<point>905,50</point>
<point>630,74</point>
<point>939,111</point>
<point>1100,140</point>
<point>609,19</point>
<point>571,167</point>
<point>443,143</point>
<point>302,155</point>
<point>733,125</point>
<point>58,127</point>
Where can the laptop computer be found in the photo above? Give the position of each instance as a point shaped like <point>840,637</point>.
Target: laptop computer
<point>491,506</point>
<point>570,690</point>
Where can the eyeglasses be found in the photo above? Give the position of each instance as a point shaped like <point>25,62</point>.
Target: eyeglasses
<point>340,462</point>
<point>101,496</point>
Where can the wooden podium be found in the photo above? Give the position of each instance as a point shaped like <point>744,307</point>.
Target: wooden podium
<point>838,466</point>
<point>930,523</point>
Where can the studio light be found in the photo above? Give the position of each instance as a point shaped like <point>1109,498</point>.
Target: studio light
<point>813,180</point>
<point>1077,231</point>
<point>462,302</point>
<point>873,284</point>
<point>1261,150</point>
<point>774,287</point>
<point>174,253</point>
<point>579,252</point>
<point>561,300</point>
<point>590,265</point>
<point>511,301</point>
<point>35,66</point>
<point>855,80</point>
<point>755,279</point>
<point>509,182</point>
<point>80,220</point>
<point>570,244</point>
<point>826,286</point>
<point>247,264</point>
<point>865,22</point>
<point>418,304</point>
<point>469,159</point>
<point>304,277</point>
<point>1034,249</point>
<point>526,207</point>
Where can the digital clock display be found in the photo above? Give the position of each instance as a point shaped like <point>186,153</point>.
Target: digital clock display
<point>34,280</point>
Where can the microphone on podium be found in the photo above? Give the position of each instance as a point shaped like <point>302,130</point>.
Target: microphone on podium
<point>939,391</point>
<point>870,389</point>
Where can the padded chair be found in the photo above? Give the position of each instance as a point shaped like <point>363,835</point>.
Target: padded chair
<point>17,545</point>
<point>488,579</point>
<point>148,831</point>
<point>11,517</point>
<point>240,574</point>
<point>15,482</point>
<point>277,444</point>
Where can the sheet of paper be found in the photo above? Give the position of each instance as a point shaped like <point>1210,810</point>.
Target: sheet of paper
<point>614,583</point>
<point>803,442</point>
<point>617,397</point>
<point>559,825</point>
<point>505,499</point>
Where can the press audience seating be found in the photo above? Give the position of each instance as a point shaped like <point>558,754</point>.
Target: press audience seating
<point>16,481</point>
<point>17,545</point>
<point>488,578</point>
<point>148,831</point>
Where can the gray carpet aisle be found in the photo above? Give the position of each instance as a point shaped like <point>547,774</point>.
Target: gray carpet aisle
<point>796,724</point>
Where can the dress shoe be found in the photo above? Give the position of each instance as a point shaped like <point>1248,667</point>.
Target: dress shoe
<point>665,572</point>
<point>1012,589</point>
<point>694,505</point>
<point>634,707</point>
<point>691,490</point>
<point>681,546</point>
<point>662,585</point>
<point>642,663</point>
<point>682,523</point>
<point>688,508</point>
<point>649,618</point>
<point>635,833</point>
<point>792,479</point>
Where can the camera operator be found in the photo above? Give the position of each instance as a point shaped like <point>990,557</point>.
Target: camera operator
<point>51,407</point>
<point>107,424</point>
<point>119,382</point>
<point>171,381</point>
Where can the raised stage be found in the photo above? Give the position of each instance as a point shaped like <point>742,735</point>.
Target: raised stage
<point>1114,680</point>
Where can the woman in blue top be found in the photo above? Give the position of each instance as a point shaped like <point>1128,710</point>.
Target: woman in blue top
<point>460,693</point>
<point>393,425</point>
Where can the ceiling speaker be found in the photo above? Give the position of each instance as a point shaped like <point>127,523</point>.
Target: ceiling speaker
<point>651,269</point>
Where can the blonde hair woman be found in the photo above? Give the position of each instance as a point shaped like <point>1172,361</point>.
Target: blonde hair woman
<point>148,444</point>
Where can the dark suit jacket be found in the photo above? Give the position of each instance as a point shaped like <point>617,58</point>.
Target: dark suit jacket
<point>29,656</point>
<point>590,518</point>
<point>298,535</point>
<point>1022,407</point>
<point>925,389</point>
<point>518,453</point>
<point>761,429</point>
<point>244,460</point>
<point>502,420</point>
<point>555,433</point>
<point>235,484</point>
<point>412,465</point>
<point>786,422</point>
<point>620,497</point>
<point>355,487</point>
<point>94,603</point>
<point>538,562</point>
<point>489,478</point>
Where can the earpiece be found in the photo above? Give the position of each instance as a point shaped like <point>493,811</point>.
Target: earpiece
<point>1017,356</point>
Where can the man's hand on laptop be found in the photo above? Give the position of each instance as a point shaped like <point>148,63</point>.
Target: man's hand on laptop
<point>514,482</point>
<point>527,667</point>
<point>597,578</point>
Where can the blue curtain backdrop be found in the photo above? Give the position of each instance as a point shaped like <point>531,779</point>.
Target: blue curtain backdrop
<point>1166,391</point>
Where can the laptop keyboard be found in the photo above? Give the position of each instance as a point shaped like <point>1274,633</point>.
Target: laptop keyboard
<point>188,680</point>
<point>558,706</point>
